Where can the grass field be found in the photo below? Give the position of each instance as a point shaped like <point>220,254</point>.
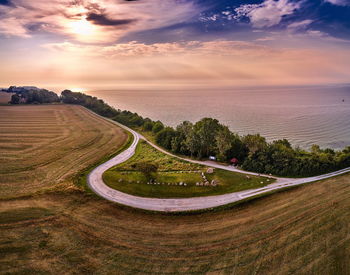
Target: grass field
<point>42,147</point>
<point>175,178</point>
<point>305,230</point>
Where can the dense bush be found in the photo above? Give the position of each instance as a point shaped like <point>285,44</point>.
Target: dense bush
<point>92,103</point>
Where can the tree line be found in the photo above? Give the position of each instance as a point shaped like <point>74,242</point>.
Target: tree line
<point>31,95</point>
<point>208,137</point>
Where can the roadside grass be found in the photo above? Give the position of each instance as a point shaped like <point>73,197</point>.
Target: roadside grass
<point>146,153</point>
<point>175,178</point>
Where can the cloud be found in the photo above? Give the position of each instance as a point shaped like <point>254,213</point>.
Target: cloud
<point>267,14</point>
<point>300,25</point>
<point>191,48</point>
<point>219,62</point>
<point>89,21</point>
<point>339,2</point>
<point>101,19</point>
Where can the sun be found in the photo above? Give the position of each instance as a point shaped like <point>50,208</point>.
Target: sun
<point>77,90</point>
<point>82,27</point>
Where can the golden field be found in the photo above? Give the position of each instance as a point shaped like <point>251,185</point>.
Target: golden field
<point>301,231</point>
<point>42,147</point>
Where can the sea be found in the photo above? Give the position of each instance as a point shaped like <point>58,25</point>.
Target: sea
<point>303,115</point>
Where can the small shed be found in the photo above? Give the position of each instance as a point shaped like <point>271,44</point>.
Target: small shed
<point>234,161</point>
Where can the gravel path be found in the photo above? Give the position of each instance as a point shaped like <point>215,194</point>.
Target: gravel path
<point>184,204</point>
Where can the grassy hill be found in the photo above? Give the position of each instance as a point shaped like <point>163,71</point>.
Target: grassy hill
<point>301,231</point>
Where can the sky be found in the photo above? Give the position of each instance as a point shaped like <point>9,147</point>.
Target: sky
<point>161,43</point>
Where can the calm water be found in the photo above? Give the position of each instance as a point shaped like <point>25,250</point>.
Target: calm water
<point>305,116</point>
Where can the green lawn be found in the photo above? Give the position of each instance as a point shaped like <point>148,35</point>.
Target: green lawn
<point>175,178</point>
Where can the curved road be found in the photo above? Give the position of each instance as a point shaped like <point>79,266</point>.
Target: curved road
<point>96,183</point>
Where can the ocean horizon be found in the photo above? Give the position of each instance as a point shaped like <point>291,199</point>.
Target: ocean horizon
<point>303,115</point>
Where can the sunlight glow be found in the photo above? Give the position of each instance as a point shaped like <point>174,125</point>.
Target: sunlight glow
<point>81,27</point>
<point>77,90</point>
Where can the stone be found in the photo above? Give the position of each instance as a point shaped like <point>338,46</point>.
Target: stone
<point>210,170</point>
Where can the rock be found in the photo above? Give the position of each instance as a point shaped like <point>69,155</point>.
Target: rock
<point>210,170</point>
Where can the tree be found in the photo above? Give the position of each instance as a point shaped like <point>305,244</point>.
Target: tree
<point>238,149</point>
<point>315,149</point>
<point>147,126</point>
<point>254,143</point>
<point>179,142</point>
<point>223,142</point>
<point>15,99</point>
<point>165,137</point>
<point>146,168</point>
<point>157,127</point>
<point>192,142</point>
<point>206,129</point>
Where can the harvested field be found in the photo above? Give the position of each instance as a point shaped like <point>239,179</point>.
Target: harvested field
<point>43,146</point>
<point>305,230</point>
<point>301,231</point>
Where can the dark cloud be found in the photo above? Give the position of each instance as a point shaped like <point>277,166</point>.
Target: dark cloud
<point>100,19</point>
<point>6,3</point>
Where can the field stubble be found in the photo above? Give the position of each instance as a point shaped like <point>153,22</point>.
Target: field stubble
<point>305,230</point>
<point>42,147</point>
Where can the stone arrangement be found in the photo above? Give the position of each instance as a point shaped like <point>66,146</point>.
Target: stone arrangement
<point>204,182</point>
